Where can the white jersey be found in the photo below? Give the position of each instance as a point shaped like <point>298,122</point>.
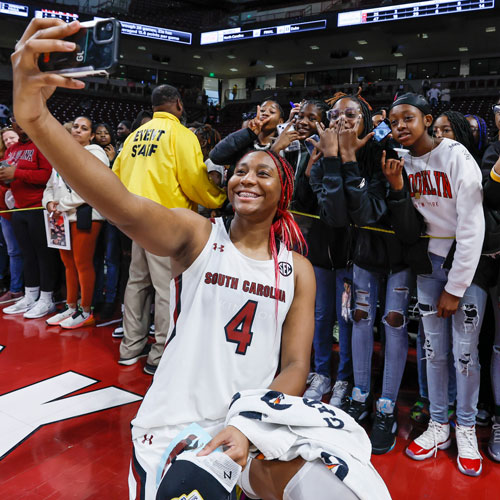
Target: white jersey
<point>224,334</point>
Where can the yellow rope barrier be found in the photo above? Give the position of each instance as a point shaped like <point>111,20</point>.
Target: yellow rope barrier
<point>378,229</point>
<point>20,210</point>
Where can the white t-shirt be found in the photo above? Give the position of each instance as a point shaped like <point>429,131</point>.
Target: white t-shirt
<point>224,335</point>
<point>445,186</point>
<point>433,93</point>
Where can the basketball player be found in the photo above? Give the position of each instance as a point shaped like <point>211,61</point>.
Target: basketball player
<point>241,295</point>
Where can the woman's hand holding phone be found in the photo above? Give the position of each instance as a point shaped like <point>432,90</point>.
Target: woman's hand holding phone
<point>32,87</point>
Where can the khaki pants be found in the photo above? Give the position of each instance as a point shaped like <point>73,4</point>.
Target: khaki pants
<point>147,273</point>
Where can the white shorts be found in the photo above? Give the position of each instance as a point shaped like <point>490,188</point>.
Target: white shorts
<point>148,456</point>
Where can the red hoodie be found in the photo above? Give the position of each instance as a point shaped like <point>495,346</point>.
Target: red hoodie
<point>31,176</point>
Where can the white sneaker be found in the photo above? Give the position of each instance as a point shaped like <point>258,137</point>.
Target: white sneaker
<point>21,306</point>
<point>340,392</point>
<point>55,320</point>
<point>469,459</point>
<point>78,319</point>
<point>39,309</point>
<point>319,385</point>
<point>436,437</point>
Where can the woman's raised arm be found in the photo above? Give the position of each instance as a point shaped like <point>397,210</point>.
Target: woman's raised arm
<point>179,233</point>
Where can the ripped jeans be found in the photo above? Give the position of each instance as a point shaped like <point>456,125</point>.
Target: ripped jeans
<point>366,285</point>
<point>460,332</point>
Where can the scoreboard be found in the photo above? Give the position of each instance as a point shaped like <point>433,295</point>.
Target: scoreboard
<point>233,34</point>
<point>65,16</point>
<point>411,11</point>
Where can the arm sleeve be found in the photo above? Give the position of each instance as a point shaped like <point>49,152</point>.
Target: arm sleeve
<point>231,149</point>
<point>366,198</point>
<point>328,186</point>
<point>470,226</point>
<point>39,175</point>
<point>192,173</point>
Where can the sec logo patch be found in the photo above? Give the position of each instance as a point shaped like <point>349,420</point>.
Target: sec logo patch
<point>285,268</point>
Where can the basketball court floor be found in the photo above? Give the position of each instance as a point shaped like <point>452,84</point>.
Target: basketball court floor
<point>66,407</point>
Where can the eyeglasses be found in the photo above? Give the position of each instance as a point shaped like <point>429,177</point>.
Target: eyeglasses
<point>349,113</point>
<point>495,108</point>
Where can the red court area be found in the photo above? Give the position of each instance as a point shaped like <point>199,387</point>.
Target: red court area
<point>66,407</point>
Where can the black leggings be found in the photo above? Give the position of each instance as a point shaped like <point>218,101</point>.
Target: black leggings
<point>41,263</point>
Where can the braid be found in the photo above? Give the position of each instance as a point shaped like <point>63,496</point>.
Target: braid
<point>284,226</point>
<point>461,129</point>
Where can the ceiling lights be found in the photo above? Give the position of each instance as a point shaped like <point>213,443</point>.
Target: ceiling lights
<point>358,58</point>
<point>398,54</point>
<point>269,66</point>
<point>233,69</point>
<point>196,56</point>
<point>141,47</point>
<point>362,42</point>
<point>309,63</point>
<point>313,47</point>
<point>463,49</point>
<point>200,67</point>
<point>230,56</point>
<point>490,29</point>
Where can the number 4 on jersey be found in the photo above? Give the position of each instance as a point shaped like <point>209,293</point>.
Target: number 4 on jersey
<point>239,328</point>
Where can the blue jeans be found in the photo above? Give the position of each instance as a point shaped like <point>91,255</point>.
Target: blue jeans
<point>15,256</point>
<point>108,283</point>
<point>397,296</point>
<point>459,332</point>
<point>422,369</point>
<point>329,289</point>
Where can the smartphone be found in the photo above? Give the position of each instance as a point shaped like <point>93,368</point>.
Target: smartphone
<point>282,126</point>
<point>382,130</point>
<point>96,52</point>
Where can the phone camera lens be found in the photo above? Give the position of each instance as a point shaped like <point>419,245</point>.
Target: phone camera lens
<point>104,31</point>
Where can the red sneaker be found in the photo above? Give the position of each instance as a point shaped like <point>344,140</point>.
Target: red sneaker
<point>469,459</point>
<point>436,437</point>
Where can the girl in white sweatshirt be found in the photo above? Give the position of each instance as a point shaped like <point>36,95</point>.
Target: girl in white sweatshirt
<point>443,182</point>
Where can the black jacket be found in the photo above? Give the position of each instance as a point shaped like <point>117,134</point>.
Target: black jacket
<point>357,193</point>
<point>233,147</point>
<point>337,253</point>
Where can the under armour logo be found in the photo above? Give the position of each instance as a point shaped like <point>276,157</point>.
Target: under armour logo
<point>220,247</point>
<point>149,439</point>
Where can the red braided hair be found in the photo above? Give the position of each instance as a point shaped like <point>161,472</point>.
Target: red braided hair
<point>284,226</point>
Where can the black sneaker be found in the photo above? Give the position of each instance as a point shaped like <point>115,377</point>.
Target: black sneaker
<point>107,310</point>
<point>359,410</point>
<point>383,435</point>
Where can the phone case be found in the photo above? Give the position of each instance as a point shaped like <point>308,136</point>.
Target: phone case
<point>95,58</point>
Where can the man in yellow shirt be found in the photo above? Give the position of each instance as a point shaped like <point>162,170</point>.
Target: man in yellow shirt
<point>162,161</point>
